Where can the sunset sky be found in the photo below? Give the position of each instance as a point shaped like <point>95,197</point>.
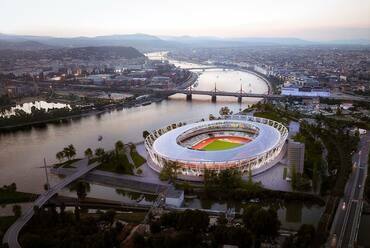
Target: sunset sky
<point>307,19</point>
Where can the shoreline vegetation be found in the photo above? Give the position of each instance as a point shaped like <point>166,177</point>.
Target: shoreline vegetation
<point>123,159</point>
<point>40,117</point>
<point>10,195</point>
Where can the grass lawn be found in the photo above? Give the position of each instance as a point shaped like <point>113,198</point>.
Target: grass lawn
<point>137,158</point>
<point>218,145</point>
<point>122,167</point>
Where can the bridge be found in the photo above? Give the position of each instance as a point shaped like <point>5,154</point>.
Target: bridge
<point>11,235</point>
<point>214,93</point>
<point>242,94</point>
<point>205,68</point>
<point>189,92</point>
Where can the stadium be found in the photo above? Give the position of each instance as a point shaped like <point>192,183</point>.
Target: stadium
<point>238,141</point>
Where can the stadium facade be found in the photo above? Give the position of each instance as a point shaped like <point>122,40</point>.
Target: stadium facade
<point>261,142</point>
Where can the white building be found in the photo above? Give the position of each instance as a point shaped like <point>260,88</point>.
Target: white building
<point>296,155</point>
<point>305,91</point>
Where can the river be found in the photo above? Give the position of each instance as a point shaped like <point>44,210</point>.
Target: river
<point>22,152</point>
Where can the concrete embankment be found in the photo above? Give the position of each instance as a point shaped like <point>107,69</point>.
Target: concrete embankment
<point>134,183</point>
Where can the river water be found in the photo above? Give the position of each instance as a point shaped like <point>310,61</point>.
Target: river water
<point>22,152</point>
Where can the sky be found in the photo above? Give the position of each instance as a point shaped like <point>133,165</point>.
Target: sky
<point>306,19</point>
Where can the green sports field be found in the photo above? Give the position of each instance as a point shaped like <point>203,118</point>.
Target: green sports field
<point>218,145</point>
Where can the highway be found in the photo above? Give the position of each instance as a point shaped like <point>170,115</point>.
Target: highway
<point>11,235</point>
<point>347,218</point>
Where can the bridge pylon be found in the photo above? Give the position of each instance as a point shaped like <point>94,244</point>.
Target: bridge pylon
<point>189,95</point>
<point>214,95</point>
<point>240,98</point>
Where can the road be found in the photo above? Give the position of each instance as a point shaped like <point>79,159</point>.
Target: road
<point>348,214</point>
<point>11,235</point>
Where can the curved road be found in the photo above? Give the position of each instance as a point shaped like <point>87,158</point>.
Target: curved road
<point>11,235</point>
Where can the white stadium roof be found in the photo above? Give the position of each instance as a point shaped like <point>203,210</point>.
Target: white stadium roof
<point>166,145</point>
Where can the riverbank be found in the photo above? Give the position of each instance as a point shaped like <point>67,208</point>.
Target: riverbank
<point>53,120</point>
<point>187,83</point>
<point>16,197</point>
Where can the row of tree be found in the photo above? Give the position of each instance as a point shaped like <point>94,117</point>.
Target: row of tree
<point>192,228</point>
<point>52,228</point>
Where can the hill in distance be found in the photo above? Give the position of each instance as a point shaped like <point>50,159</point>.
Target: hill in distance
<point>145,42</point>
<point>79,53</point>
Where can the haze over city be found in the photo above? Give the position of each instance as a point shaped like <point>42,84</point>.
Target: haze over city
<point>315,20</point>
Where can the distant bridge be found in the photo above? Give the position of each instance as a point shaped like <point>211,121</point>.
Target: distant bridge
<point>205,68</point>
<point>213,94</point>
<point>189,92</point>
<point>239,94</point>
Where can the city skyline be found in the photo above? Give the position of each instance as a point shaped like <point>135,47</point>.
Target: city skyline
<point>310,20</point>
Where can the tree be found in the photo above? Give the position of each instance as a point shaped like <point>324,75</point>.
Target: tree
<point>305,236</point>
<point>248,215</point>
<point>60,156</point>
<point>225,111</point>
<point>193,220</point>
<point>263,223</point>
<point>81,189</point>
<point>211,117</point>
<point>118,147</point>
<point>189,220</point>
<point>145,134</point>
<point>72,151</point>
<point>169,171</point>
<point>17,210</point>
<point>88,153</point>
<point>99,152</point>
<point>69,151</point>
